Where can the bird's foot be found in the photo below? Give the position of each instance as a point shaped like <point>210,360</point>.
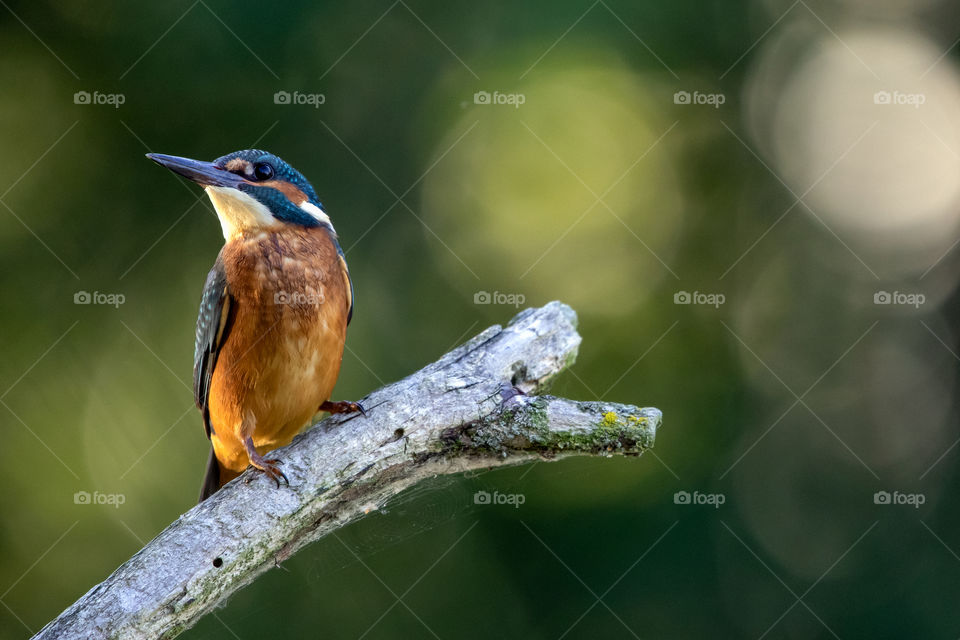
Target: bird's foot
<point>269,467</point>
<point>343,407</point>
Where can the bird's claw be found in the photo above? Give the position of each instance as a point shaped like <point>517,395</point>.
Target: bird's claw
<point>343,407</point>
<point>271,470</point>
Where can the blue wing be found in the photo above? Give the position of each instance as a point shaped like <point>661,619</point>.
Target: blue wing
<point>212,329</point>
<point>346,274</point>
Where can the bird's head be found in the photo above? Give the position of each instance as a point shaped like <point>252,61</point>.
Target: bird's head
<point>252,191</point>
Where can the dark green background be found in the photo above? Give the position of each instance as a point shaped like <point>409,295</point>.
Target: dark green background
<point>96,398</point>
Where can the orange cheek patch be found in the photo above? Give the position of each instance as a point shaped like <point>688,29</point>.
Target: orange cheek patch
<point>237,164</point>
<point>293,193</point>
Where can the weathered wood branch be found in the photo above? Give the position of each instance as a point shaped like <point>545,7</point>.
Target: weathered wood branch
<point>473,408</point>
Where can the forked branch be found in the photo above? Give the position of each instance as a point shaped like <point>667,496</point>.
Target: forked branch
<point>476,407</point>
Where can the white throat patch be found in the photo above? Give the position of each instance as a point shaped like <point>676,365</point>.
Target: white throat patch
<point>239,212</point>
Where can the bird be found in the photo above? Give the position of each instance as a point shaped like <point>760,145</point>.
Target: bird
<point>273,313</point>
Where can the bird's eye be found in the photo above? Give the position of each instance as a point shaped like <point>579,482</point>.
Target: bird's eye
<point>263,171</point>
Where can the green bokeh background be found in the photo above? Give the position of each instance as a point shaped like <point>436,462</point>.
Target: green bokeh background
<point>437,198</point>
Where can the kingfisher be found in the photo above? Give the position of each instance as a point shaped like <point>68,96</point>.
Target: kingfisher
<point>273,313</point>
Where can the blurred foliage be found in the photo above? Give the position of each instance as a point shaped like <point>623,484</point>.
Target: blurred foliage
<point>796,399</point>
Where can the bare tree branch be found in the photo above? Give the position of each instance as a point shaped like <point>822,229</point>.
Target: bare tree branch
<point>473,408</point>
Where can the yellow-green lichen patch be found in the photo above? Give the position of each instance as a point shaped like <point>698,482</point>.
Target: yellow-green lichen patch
<point>526,426</point>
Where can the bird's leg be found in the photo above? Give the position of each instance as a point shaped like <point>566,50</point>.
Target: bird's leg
<point>342,407</point>
<point>269,467</point>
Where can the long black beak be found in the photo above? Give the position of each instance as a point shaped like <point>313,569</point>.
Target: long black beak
<point>205,173</point>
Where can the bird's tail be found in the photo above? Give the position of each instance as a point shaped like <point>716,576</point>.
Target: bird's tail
<point>211,481</point>
<point>215,478</point>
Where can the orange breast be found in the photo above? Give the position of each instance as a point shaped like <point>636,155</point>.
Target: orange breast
<point>282,355</point>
